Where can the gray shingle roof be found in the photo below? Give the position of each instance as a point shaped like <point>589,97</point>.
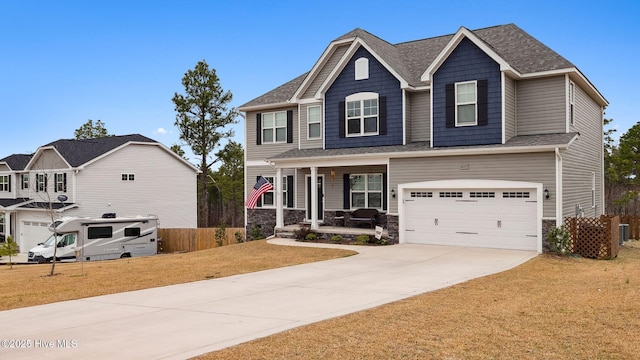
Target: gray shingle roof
<point>11,202</point>
<point>562,139</point>
<point>77,152</point>
<point>17,161</point>
<point>410,59</point>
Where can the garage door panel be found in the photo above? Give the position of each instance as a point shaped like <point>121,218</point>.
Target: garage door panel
<point>490,221</point>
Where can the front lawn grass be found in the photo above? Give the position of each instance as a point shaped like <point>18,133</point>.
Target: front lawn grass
<point>548,308</point>
<point>28,285</point>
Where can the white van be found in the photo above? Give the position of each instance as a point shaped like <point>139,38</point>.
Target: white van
<point>108,237</point>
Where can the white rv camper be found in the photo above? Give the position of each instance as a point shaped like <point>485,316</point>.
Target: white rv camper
<point>108,237</point>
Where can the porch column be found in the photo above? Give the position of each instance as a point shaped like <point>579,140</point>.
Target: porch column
<point>7,224</point>
<point>278,195</point>
<point>314,198</point>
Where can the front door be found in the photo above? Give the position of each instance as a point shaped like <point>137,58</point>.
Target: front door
<point>320,188</point>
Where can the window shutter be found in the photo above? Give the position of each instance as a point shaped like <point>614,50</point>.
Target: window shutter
<point>382,115</point>
<point>259,203</point>
<point>384,191</point>
<point>483,111</point>
<point>258,128</point>
<point>341,120</point>
<point>22,181</point>
<point>64,182</point>
<point>55,182</point>
<point>9,180</point>
<point>450,105</point>
<point>289,126</point>
<point>46,185</point>
<point>346,192</point>
<point>290,191</point>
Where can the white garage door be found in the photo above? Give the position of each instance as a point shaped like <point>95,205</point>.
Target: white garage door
<point>496,218</point>
<point>32,233</point>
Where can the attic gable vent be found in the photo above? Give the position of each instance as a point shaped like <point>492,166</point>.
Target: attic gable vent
<point>362,68</point>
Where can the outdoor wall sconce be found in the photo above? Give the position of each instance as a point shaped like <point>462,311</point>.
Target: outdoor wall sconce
<point>393,193</point>
<point>546,193</point>
<point>333,174</point>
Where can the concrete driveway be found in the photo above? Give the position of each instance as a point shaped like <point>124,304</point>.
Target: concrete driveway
<point>181,321</point>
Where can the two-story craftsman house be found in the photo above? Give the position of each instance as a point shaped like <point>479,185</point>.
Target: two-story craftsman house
<point>479,138</point>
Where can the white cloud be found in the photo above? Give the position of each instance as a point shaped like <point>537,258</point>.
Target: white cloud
<point>161,131</point>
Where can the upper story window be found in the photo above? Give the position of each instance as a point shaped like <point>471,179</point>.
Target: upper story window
<point>362,114</point>
<point>41,182</point>
<point>128,177</point>
<point>362,68</point>
<point>466,103</point>
<point>25,181</point>
<point>61,182</point>
<point>366,191</point>
<point>571,103</point>
<point>5,183</point>
<point>274,127</point>
<point>314,122</point>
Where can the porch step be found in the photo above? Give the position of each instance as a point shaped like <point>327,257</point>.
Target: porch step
<point>285,234</point>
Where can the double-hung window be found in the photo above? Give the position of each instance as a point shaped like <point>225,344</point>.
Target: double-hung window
<point>366,191</point>
<point>274,127</point>
<point>362,114</point>
<point>25,181</point>
<point>268,199</point>
<point>61,183</point>
<point>314,121</point>
<point>4,183</point>
<point>466,103</point>
<point>41,182</point>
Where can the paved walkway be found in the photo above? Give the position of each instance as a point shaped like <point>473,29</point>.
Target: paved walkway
<point>181,321</point>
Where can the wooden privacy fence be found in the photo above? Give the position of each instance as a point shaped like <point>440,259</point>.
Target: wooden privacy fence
<point>596,238</point>
<point>184,240</point>
<point>634,225</point>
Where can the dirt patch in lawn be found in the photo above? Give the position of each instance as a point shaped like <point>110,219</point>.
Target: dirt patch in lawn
<point>28,285</point>
<point>548,308</point>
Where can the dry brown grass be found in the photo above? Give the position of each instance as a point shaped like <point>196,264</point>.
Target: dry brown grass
<point>548,308</point>
<point>28,285</point>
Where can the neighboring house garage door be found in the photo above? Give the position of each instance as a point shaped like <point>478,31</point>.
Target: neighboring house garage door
<point>32,233</point>
<point>472,213</point>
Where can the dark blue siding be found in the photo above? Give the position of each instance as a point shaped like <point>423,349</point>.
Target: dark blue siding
<point>380,81</point>
<point>467,62</point>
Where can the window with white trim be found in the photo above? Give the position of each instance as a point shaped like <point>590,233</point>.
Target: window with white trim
<point>25,181</point>
<point>60,183</point>
<point>362,69</point>
<point>466,103</point>
<point>268,198</point>
<point>366,191</point>
<point>571,103</point>
<point>1,223</point>
<point>284,191</point>
<point>41,182</point>
<point>362,114</point>
<point>4,183</point>
<point>274,127</point>
<point>314,122</point>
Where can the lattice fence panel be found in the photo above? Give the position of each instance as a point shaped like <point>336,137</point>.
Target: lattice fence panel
<point>596,238</point>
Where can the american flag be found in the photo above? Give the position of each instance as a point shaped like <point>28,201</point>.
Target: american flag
<point>261,187</point>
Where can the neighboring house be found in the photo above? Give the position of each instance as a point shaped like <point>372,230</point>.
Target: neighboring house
<point>479,138</point>
<point>126,175</point>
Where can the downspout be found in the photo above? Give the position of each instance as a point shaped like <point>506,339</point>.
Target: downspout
<point>558,188</point>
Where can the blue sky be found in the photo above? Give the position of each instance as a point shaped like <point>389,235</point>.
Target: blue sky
<point>64,62</point>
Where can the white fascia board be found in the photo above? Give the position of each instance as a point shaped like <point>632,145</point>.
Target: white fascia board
<point>317,67</point>
<point>38,153</point>
<point>334,161</point>
<point>251,163</point>
<point>345,59</point>
<point>266,106</point>
<point>453,43</point>
<point>503,106</point>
